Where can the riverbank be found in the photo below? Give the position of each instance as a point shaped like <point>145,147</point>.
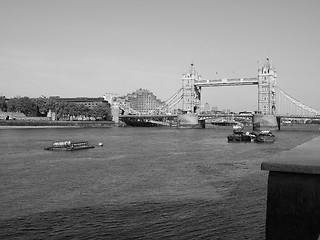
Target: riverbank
<point>53,124</point>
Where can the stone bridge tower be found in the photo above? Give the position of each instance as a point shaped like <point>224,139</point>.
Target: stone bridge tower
<point>190,92</point>
<point>267,76</point>
<point>265,118</point>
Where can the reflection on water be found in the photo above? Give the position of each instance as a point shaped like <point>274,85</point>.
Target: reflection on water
<point>144,183</point>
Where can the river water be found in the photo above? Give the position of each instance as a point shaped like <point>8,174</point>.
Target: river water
<point>144,183</point>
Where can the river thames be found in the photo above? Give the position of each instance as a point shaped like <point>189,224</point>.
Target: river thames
<point>144,183</point>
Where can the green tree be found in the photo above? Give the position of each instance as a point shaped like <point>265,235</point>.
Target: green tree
<point>45,104</point>
<point>82,110</point>
<point>41,104</point>
<point>62,109</point>
<point>3,105</point>
<point>24,105</point>
<point>66,109</point>
<point>77,109</point>
<point>102,111</point>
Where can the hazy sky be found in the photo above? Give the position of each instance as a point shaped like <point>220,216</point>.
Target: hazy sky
<point>74,48</point>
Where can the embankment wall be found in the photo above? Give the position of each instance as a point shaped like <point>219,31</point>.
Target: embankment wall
<point>293,201</point>
<point>44,123</point>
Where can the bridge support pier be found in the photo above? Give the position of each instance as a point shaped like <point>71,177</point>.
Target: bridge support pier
<point>279,122</point>
<point>202,123</point>
<point>264,122</point>
<point>188,120</point>
<point>115,114</point>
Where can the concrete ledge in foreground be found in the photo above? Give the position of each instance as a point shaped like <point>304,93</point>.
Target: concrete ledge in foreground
<point>293,201</point>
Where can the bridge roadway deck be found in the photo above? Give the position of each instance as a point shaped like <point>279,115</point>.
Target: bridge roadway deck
<point>207,116</point>
<point>148,116</point>
<point>201,116</point>
<point>297,116</point>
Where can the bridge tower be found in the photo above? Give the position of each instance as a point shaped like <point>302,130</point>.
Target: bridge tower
<point>266,119</point>
<point>190,92</point>
<point>267,76</point>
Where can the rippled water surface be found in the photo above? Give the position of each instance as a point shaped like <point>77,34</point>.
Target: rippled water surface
<point>144,183</point>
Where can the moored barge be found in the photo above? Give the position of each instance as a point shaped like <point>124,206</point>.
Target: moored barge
<point>69,146</point>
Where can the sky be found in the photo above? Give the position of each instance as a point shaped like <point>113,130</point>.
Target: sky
<point>77,48</point>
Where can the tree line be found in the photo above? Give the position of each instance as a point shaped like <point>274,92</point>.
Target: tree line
<point>37,107</point>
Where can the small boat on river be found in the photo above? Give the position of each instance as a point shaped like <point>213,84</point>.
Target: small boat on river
<point>69,146</point>
<point>265,137</point>
<point>261,137</point>
<point>240,137</point>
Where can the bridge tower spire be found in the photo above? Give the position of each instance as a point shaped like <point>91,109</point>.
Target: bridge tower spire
<point>190,92</point>
<point>267,77</point>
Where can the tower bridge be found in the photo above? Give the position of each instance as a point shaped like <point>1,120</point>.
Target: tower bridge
<point>273,102</point>
<point>192,83</point>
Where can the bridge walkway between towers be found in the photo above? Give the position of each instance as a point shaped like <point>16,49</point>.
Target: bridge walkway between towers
<point>227,82</point>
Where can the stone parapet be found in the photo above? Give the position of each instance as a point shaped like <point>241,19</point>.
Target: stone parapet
<point>293,202</point>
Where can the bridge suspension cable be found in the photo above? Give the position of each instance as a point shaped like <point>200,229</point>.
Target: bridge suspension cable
<point>173,100</point>
<point>296,107</point>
